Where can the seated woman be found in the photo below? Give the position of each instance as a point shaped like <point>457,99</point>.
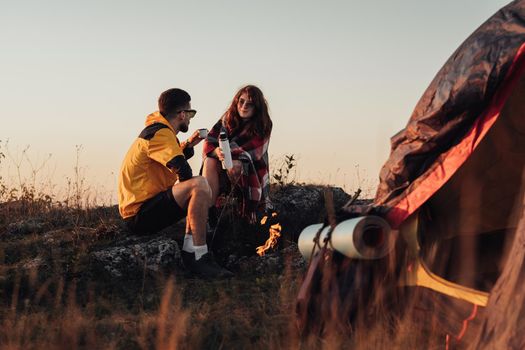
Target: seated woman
<point>248,126</point>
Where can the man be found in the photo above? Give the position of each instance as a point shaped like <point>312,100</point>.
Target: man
<point>157,187</point>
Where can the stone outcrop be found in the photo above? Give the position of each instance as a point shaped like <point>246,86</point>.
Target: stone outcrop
<point>234,243</point>
<point>129,259</point>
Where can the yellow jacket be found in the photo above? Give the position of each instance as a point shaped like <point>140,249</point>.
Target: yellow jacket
<point>148,167</point>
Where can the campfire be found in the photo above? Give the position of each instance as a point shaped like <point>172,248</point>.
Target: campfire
<point>275,233</point>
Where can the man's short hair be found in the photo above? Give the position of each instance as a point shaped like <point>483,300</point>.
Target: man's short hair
<point>173,99</point>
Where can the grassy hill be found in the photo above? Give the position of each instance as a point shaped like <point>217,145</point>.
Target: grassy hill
<point>73,277</point>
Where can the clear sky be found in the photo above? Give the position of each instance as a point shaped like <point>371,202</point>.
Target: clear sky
<point>340,77</point>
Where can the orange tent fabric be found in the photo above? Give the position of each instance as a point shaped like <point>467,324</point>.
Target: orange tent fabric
<point>452,118</point>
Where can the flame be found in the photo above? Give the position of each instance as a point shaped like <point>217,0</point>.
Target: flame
<point>275,233</point>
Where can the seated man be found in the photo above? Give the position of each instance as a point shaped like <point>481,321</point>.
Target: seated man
<point>156,185</point>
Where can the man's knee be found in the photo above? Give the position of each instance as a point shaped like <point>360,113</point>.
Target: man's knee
<point>199,182</point>
<point>200,185</point>
<point>183,190</point>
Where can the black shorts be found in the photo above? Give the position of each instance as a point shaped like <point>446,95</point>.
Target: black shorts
<point>155,214</point>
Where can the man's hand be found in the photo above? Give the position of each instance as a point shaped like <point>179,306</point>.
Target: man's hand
<point>194,139</point>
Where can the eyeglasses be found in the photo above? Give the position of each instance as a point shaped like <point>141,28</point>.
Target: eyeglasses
<point>189,113</point>
<point>246,103</point>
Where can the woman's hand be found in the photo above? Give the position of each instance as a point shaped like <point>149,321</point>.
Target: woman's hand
<point>235,172</point>
<point>219,154</point>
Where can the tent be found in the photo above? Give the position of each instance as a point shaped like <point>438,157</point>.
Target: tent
<point>456,113</point>
<point>453,183</point>
<point>458,164</point>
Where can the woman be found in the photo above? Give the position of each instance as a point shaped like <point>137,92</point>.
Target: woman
<point>248,126</point>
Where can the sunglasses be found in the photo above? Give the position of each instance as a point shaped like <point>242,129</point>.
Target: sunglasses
<point>247,103</point>
<point>189,113</point>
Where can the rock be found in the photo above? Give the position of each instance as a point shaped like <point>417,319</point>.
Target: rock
<point>131,259</point>
<point>24,227</point>
<point>236,240</point>
<point>300,206</point>
<point>33,263</point>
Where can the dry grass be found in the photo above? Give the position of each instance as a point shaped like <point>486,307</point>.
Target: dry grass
<point>55,307</point>
<point>65,313</point>
<point>51,298</point>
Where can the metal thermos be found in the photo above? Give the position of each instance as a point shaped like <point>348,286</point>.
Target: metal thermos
<point>224,145</point>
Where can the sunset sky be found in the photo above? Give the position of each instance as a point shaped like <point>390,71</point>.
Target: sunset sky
<point>340,77</point>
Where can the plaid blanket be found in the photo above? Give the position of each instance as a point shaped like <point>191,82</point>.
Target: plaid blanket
<point>253,154</point>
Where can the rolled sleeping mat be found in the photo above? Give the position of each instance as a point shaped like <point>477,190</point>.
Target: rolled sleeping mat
<point>365,237</point>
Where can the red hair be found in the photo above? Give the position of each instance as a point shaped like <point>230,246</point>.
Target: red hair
<point>260,123</point>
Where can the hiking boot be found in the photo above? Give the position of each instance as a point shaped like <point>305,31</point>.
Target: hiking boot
<point>205,267</point>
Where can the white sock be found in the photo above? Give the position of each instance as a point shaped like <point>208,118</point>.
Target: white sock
<point>200,250</point>
<point>187,246</point>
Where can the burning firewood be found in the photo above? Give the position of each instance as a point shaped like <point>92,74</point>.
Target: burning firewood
<point>275,233</point>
